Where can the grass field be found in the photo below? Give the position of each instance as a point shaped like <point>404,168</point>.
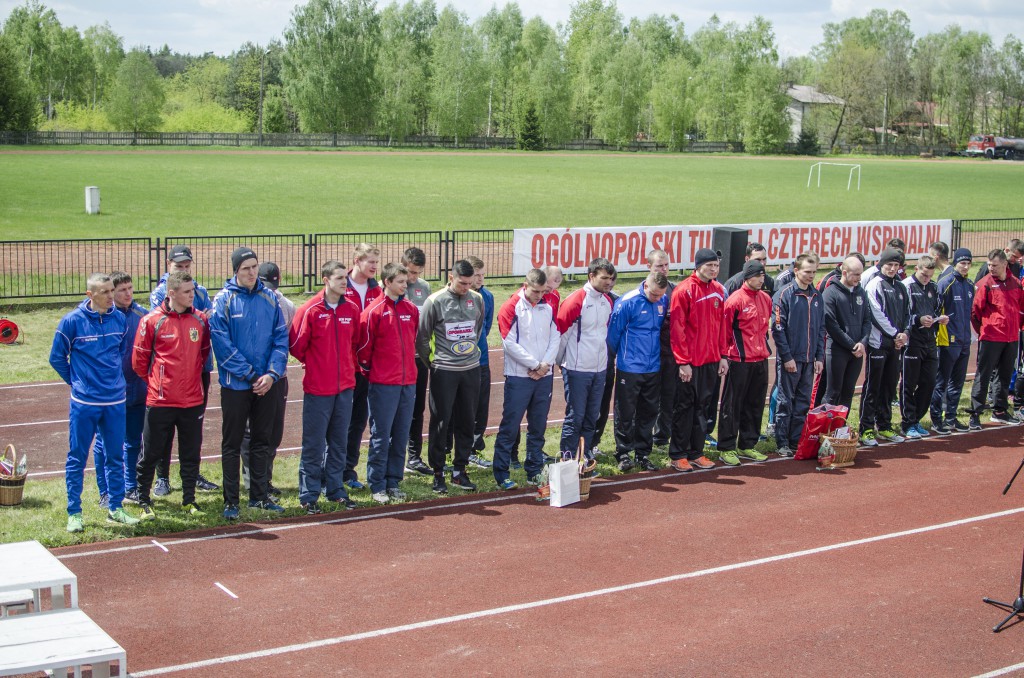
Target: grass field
<point>151,193</point>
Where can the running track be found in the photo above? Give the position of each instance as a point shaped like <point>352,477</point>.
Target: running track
<point>765,569</point>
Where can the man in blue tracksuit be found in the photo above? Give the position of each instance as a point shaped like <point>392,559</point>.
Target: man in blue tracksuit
<point>798,323</point>
<point>135,395</point>
<point>250,339</point>
<point>956,295</point>
<point>87,354</point>
<point>634,335</point>
<point>179,258</point>
<point>483,403</point>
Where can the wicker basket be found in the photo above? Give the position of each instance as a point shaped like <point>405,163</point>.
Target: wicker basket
<point>12,487</point>
<point>585,487</point>
<point>845,452</point>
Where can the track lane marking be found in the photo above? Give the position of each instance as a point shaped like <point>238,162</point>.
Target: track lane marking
<point>546,602</point>
<point>225,589</point>
<point>1006,670</point>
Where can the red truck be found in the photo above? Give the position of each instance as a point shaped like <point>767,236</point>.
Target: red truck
<point>992,146</point>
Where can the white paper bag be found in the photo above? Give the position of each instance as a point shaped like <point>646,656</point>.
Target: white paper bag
<point>564,477</point>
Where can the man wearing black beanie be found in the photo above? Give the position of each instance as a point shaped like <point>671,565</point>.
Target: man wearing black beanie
<point>250,339</point>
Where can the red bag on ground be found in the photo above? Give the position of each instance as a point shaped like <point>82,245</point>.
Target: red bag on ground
<point>820,421</point>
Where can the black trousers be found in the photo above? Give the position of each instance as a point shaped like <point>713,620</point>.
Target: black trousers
<point>276,436</point>
<point>820,387</point>
<point>357,426</point>
<point>637,404</point>
<point>453,398</point>
<point>994,358</point>
<point>920,370</point>
<point>711,409</point>
<point>843,370</point>
<point>606,400</point>
<point>161,422</point>
<point>689,418</point>
<point>163,469</point>
<point>483,405</point>
<point>669,379</point>
<point>241,408</point>
<point>739,421</point>
<point>416,427</point>
<point>883,373</point>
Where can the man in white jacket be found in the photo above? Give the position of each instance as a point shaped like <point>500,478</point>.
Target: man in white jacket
<point>583,322</point>
<point>530,341</point>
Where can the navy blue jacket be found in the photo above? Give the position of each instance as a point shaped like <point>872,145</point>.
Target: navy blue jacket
<point>634,333</point>
<point>956,294</point>
<point>249,335</point>
<point>488,322</point>
<point>798,321</point>
<point>135,386</point>
<point>87,354</point>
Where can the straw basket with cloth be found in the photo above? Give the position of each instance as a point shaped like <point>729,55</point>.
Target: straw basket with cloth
<point>12,477</point>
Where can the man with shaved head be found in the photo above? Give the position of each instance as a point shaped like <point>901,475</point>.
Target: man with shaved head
<point>847,325</point>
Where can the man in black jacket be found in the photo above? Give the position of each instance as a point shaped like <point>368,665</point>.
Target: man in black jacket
<point>847,325</point>
<point>921,359</point>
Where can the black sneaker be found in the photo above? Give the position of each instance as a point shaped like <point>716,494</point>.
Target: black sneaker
<point>645,464</point>
<point>625,464</point>
<point>462,481</point>
<point>439,487</point>
<point>941,429</point>
<point>162,487</point>
<point>975,424</point>
<point>478,461</point>
<point>274,492</point>
<point>347,503</point>
<point>266,505</point>
<point>958,426</point>
<point>417,465</point>
<point>312,509</point>
<point>132,496</point>
<point>205,485</point>
<point>104,501</point>
<point>1004,418</point>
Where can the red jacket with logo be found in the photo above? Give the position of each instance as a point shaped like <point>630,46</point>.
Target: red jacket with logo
<point>387,341</point>
<point>747,316</point>
<point>373,291</point>
<point>697,315</point>
<point>169,352</point>
<point>325,339</point>
<point>998,311</point>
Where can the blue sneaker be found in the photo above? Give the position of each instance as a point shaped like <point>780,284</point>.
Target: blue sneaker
<point>231,512</point>
<point>922,431</point>
<point>508,484</point>
<point>911,433</point>
<point>266,505</point>
<point>710,441</point>
<point>355,485</point>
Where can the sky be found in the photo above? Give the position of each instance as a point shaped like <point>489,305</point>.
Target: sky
<point>222,26</point>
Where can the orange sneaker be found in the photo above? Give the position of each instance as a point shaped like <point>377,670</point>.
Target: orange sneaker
<point>702,463</point>
<point>681,465</point>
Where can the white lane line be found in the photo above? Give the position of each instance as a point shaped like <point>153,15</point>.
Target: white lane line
<point>1002,672</point>
<point>161,546</point>
<point>35,423</point>
<point>225,589</point>
<point>49,383</point>
<point>546,602</point>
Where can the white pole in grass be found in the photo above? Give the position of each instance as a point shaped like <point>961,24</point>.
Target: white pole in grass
<point>92,199</point>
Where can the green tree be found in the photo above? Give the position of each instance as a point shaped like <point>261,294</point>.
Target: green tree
<point>330,56</point>
<point>530,136</point>
<point>765,123</point>
<point>501,33</point>
<point>541,78</point>
<point>850,73</point>
<point>275,111</point>
<point>402,67</point>
<point>137,95</point>
<point>458,92</point>
<point>964,78</point>
<point>107,51</point>
<point>595,35</point>
<point>623,91</point>
<point>17,105</point>
<point>673,108</point>
<point>1009,78</point>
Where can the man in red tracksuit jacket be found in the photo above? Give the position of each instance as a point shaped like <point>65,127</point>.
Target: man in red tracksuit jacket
<point>361,290</point>
<point>323,337</point>
<point>698,344</point>
<point>171,347</point>
<point>998,317</point>
<point>748,313</point>
<point>387,355</point>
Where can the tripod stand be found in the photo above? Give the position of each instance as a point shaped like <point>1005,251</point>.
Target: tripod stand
<point>1017,606</point>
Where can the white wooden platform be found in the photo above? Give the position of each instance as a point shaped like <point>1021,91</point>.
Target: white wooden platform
<point>62,639</point>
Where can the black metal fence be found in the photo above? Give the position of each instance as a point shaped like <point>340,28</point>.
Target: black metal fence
<point>56,270</point>
<point>984,235</point>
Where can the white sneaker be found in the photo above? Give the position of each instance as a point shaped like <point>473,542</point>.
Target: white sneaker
<point>381,497</point>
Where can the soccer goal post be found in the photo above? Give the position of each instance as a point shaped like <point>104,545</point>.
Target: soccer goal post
<point>849,180</point>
